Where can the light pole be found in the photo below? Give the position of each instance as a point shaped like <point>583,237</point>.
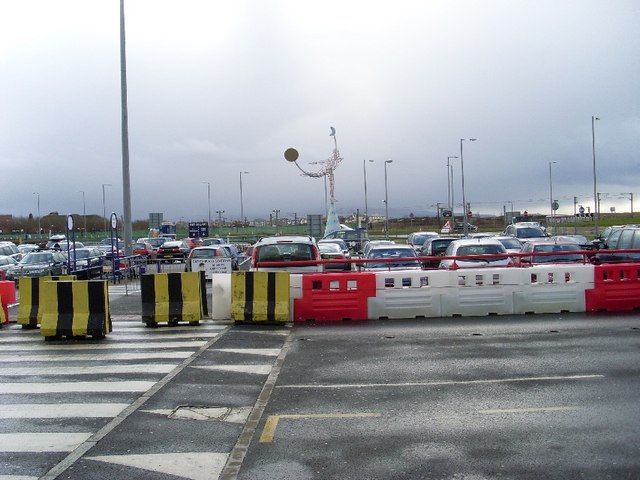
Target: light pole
<point>464,200</point>
<point>209,202</point>
<point>242,200</point>
<point>386,200</point>
<point>84,213</point>
<point>596,213</point>
<point>277,211</point>
<point>104,206</point>
<point>220,212</point>
<point>551,188</point>
<point>450,183</point>
<point>38,194</point>
<point>366,205</point>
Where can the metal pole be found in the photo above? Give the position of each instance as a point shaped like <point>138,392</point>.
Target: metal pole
<point>551,189</point>
<point>104,206</point>
<point>596,213</point>
<point>241,200</point>
<point>453,201</point>
<point>38,205</point>
<point>366,205</point>
<point>126,179</point>
<point>450,182</point>
<point>84,213</point>
<point>386,200</point>
<point>208,202</point>
<point>464,200</point>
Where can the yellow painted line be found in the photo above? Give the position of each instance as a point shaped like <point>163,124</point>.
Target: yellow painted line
<point>531,410</point>
<point>271,424</point>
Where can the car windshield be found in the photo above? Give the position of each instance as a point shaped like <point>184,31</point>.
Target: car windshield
<point>329,248</point>
<point>7,261</point>
<point>480,250</point>
<point>40,257</point>
<point>80,254</point>
<point>529,232</point>
<point>511,243</point>
<point>285,251</point>
<point>205,253</point>
<point>391,253</point>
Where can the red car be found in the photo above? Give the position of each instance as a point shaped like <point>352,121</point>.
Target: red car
<point>193,242</point>
<point>144,249</point>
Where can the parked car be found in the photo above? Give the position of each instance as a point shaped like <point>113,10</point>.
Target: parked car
<point>375,243</point>
<point>89,262</point>
<point>7,262</point>
<point>212,241</point>
<point>511,244</point>
<point>417,239</point>
<point>625,238</point>
<point>338,241</point>
<point>193,242</point>
<point>435,247</point>
<point>144,249</point>
<point>53,239</point>
<point>555,251</point>
<point>25,248</point>
<point>39,264</point>
<point>485,252</point>
<point>333,251</point>
<point>356,238</point>
<point>286,248</point>
<point>174,250</point>
<point>581,240</point>
<point>155,242</point>
<point>234,253</point>
<point>208,252</point>
<point>525,231</point>
<point>396,257</point>
<point>10,249</point>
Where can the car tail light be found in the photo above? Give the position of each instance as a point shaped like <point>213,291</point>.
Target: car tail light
<point>454,266</point>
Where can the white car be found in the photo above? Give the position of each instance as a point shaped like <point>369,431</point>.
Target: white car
<point>417,239</point>
<point>483,252</point>
<point>391,257</point>
<point>284,249</point>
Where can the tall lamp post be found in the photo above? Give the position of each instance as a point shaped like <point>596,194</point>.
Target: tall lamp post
<point>450,183</point>
<point>208,203</point>
<point>596,213</point>
<point>242,200</point>
<point>386,200</point>
<point>104,206</point>
<point>366,205</point>
<point>464,199</point>
<point>551,188</point>
<point>84,213</point>
<point>38,205</point>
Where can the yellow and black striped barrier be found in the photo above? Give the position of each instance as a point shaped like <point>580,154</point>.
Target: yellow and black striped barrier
<point>74,308</point>
<point>258,297</point>
<point>29,315</point>
<point>173,298</point>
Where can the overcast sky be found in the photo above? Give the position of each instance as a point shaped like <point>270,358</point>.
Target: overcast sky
<point>220,87</point>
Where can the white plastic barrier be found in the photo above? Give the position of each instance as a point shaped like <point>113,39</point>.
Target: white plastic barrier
<point>554,288</point>
<point>480,291</point>
<point>220,296</point>
<point>407,294</point>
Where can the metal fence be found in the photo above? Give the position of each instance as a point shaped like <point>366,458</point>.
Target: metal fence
<point>129,270</point>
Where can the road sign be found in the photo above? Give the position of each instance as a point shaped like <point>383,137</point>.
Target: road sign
<point>555,205</point>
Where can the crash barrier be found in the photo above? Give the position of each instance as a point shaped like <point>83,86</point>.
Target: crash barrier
<point>72,308</point>
<point>173,298</point>
<point>7,296</point>
<point>259,297</point>
<point>334,296</point>
<point>29,313</point>
<point>220,296</point>
<point>617,288</point>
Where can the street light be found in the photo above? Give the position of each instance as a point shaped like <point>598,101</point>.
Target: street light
<point>219,212</point>
<point>366,206</point>
<point>450,183</point>
<point>276,211</point>
<point>464,200</point>
<point>104,206</point>
<point>84,213</point>
<point>208,202</point>
<point>551,188</point>
<point>38,194</point>
<point>386,200</point>
<point>596,213</point>
<point>241,200</point>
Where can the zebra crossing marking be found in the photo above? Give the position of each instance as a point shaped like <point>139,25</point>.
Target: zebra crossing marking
<point>252,369</point>
<point>66,410</point>
<point>87,370</point>
<point>78,387</point>
<point>42,442</point>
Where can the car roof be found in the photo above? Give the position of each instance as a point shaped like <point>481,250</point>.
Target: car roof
<point>477,241</point>
<point>285,239</point>
<point>208,247</point>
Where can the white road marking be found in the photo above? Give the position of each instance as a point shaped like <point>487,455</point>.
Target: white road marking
<point>269,352</point>
<point>444,382</point>
<point>107,346</point>
<point>162,336</point>
<point>42,442</point>
<point>102,357</point>
<point>254,369</point>
<point>530,410</point>
<point>65,410</point>
<point>65,387</point>
<point>92,370</point>
<point>191,465</point>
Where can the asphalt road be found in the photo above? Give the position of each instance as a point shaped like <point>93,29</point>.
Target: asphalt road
<point>512,397</point>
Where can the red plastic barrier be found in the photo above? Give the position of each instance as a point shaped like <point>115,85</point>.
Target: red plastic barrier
<point>616,288</point>
<point>7,296</point>
<point>334,296</point>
